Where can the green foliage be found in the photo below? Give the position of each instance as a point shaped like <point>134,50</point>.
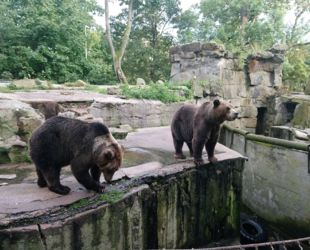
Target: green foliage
<point>6,75</point>
<point>296,72</point>
<point>147,54</point>
<point>49,40</point>
<point>163,92</point>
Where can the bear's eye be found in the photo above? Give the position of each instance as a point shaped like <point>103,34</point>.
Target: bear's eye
<point>228,108</point>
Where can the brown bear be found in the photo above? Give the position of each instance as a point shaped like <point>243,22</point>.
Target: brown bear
<point>48,108</point>
<point>87,147</point>
<point>199,126</point>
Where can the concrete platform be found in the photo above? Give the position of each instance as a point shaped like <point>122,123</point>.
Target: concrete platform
<point>146,151</point>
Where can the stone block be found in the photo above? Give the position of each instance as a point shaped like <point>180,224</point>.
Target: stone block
<point>216,54</point>
<point>249,122</point>
<point>230,64</point>
<point>175,58</point>
<point>248,112</point>
<point>187,55</point>
<point>236,80</point>
<point>256,65</point>
<point>212,46</point>
<point>245,102</point>
<point>261,78</point>
<point>136,113</point>
<point>260,94</point>
<point>175,50</point>
<point>191,47</point>
<point>234,91</point>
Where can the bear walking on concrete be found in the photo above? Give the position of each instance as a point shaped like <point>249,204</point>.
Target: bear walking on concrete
<point>199,126</point>
<point>87,147</point>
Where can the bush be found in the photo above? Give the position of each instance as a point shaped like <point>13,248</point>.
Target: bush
<point>101,74</point>
<point>6,75</point>
<point>161,92</point>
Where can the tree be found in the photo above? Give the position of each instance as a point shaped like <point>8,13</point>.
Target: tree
<point>118,55</point>
<point>147,55</point>
<point>296,70</point>
<point>46,39</point>
<point>187,25</point>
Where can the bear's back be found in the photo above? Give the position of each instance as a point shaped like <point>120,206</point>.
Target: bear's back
<point>59,139</point>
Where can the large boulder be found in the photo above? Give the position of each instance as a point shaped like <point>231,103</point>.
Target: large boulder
<point>17,121</point>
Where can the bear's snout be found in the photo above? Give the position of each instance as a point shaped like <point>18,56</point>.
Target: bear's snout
<point>233,114</point>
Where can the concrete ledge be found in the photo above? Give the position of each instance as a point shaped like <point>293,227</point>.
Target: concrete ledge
<point>151,205</point>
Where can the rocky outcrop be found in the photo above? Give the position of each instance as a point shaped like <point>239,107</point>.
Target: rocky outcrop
<point>136,113</point>
<point>17,121</point>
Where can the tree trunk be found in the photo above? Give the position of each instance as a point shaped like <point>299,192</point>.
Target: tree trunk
<point>117,57</point>
<point>119,72</point>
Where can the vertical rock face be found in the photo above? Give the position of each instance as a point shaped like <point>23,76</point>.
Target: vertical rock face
<point>138,114</point>
<point>179,206</point>
<point>249,85</point>
<point>17,121</point>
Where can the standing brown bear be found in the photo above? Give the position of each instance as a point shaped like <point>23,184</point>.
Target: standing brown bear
<point>87,147</point>
<point>199,127</point>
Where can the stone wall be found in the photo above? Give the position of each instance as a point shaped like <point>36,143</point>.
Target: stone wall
<point>177,206</point>
<point>248,85</point>
<point>137,113</point>
<point>293,110</point>
<point>276,179</point>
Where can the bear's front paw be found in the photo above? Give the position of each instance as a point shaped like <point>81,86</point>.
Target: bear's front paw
<point>213,159</point>
<point>198,162</point>
<point>60,189</point>
<point>179,156</point>
<point>100,188</point>
<point>41,183</point>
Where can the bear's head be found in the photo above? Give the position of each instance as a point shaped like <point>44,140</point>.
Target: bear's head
<point>108,155</point>
<point>223,112</point>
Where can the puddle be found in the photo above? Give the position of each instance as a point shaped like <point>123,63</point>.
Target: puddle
<point>132,157</point>
<point>137,156</point>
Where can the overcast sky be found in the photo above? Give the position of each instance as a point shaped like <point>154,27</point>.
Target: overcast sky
<point>185,4</point>
<point>115,8</point>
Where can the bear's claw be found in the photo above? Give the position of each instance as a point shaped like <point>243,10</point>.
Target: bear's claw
<point>198,162</point>
<point>100,188</point>
<point>179,156</point>
<point>213,159</point>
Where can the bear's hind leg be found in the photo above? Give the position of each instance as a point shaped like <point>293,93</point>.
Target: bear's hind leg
<point>190,147</point>
<point>52,176</point>
<point>178,145</point>
<point>41,180</point>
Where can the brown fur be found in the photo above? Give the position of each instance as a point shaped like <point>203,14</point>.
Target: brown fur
<point>48,108</point>
<point>199,127</point>
<point>89,148</point>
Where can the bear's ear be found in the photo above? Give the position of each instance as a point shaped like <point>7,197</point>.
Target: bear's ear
<point>109,155</point>
<point>216,103</point>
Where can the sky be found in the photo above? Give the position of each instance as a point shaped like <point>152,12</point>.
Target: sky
<point>185,4</point>
<point>115,8</point>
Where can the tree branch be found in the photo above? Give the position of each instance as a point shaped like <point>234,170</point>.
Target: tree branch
<point>127,31</point>
<point>296,23</point>
<point>108,28</point>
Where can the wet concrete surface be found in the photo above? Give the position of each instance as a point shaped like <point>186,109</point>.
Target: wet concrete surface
<point>146,151</point>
